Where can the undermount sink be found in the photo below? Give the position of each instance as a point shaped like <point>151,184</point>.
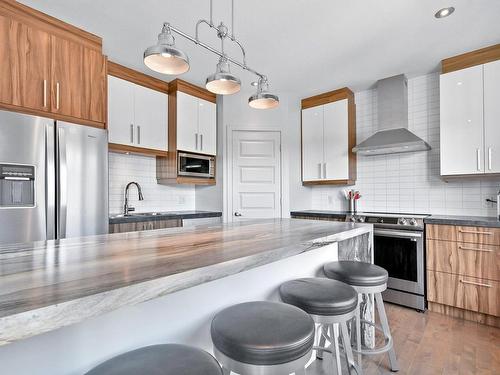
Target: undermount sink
<point>136,214</point>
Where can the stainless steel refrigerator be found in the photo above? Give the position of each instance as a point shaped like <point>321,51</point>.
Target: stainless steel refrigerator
<point>53,179</point>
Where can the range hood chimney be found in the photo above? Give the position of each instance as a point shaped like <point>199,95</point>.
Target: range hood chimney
<point>393,135</point>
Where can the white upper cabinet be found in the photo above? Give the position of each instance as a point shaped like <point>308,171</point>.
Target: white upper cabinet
<point>336,136</point>
<point>492,116</point>
<point>470,120</point>
<point>312,143</point>
<point>462,129</point>
<point>328,136</point>
<point>120,111</point>
<point>196,124</point>
<point>187,122</point>
<point>137,116</point>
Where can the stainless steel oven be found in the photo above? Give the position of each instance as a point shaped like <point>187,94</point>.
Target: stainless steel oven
<point>195,165</point>
<point>399,248</point>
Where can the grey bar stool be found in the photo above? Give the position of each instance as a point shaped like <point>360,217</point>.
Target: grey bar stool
<point>368,279</point>
<point>263,338</point>
<point>167,359</point>
<point>331,304</point>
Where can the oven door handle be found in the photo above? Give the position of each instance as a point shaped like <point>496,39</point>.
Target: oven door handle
<point>397,233</point>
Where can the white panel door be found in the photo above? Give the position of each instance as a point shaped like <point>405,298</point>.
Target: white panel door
<point>312,144</point>
<point>151,118</point>
<point>120,111</point>
<point>207,127</point>
<point>256,169</point>
<point>335,130</point>
<point>492,116</point>
<point>462,130</point>
<point>187,123</point>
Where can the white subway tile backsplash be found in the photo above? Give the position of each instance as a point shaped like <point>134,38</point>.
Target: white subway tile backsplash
<point>142,169</point>
<point>409,182</point>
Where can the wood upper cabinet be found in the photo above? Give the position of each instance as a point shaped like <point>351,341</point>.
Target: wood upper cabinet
<point>50,67</point>
<point>328,136</point>
<point>24,65</point>
<point>470,114</point>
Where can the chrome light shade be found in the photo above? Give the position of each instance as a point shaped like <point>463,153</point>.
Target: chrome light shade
<point>164,57</point>
<point>222,82</point>
<point>263,99</point>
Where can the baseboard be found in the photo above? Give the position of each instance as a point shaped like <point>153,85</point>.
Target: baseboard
<point>472,316</point>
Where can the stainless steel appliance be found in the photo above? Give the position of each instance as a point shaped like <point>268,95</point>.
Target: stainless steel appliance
<point>53,179</point>
<point>195,165</point>
<point>399,248</point>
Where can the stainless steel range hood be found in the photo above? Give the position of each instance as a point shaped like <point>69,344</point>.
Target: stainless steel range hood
<point>393,135</point>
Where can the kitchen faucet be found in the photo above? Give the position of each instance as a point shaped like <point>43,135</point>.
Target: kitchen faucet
<point>497,202</point>
<point>126,208</point>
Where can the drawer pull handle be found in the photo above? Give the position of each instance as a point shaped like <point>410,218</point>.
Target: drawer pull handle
<point>474,232</point>
<point>475,249</point>
<point>473,283</point>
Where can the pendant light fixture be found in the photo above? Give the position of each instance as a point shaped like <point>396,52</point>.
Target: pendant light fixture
<point>222,82</point>
<point>263,99</point>
<point>165,58</point>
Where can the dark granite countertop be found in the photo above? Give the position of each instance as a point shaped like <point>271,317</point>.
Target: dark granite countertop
<point>141,217</point>
<point>476,221</point>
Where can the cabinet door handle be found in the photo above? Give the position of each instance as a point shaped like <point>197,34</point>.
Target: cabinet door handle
<point>324,170</point>
<point>474,283</point>
<point>196,138</point>
<point>138,135</point>
<point>475,232</point>
<point>45,93</point>
<point>319,167</point>
<point>57,94</point>
<point>201,141</point>
<point>489,158</point>
<point>478,157</point>
<point>131,133</point>
<point>475,249</point>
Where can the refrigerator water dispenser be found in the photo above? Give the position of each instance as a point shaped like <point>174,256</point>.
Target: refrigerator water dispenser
<point>17,185</point>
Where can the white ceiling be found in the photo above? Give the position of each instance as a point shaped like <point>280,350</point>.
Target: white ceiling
<point>303,46</point>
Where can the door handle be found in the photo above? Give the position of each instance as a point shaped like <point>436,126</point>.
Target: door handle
<point>57,95</point>
<point>138,135</point>
<point>63,181</point>
<point>478,157</point>
<point>131,133</point>
<point>196,140</point>
<point>201,141</point>
<point>489,158</point>
<point>50,191</point>
<point>237,214</point>
<point>45,93</point>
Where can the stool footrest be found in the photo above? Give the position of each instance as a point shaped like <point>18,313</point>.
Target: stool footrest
<point>380,350</point>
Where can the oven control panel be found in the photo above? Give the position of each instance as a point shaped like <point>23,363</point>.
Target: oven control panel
<point>388,221</point>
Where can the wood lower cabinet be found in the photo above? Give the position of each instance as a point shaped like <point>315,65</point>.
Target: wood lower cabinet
<point>144,225</point>
<point>50,68</point>
<point>463,272</point>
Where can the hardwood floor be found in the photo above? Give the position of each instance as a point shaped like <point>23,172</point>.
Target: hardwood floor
<point>432,344</point>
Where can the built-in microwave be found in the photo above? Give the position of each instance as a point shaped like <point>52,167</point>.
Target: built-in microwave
<point>195,165</point>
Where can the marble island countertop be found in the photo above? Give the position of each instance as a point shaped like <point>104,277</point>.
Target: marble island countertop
<point>48,285</point>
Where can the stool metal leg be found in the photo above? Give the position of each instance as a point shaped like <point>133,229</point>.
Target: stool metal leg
<point>321,340</point>
<point>225,371</point>
<point>347,348</point>
<point>357,327</point>
<point>387,332</point>
<point>335,337</point>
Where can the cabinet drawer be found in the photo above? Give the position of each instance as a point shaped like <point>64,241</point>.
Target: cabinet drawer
<point>441,232</point>
<point>464,292</point>
<point>479,235</point>
<point>482,261</point>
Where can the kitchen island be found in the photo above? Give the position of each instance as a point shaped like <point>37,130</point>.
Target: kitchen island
<point>70,304</point>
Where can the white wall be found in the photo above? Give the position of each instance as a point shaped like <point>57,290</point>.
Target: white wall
<point>409,182</point>
<point>142,169</point>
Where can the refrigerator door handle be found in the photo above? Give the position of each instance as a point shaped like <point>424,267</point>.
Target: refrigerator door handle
<point>50,178</point>
<point>63,183</point>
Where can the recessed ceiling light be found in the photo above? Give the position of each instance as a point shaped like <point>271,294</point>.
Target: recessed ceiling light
<point>445,12</point>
